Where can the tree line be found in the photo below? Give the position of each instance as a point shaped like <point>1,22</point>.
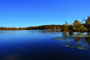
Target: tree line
<point>76,26</point>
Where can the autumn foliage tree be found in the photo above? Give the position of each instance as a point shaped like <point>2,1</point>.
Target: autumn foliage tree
<point>87,23</point>
<point>76,25</point>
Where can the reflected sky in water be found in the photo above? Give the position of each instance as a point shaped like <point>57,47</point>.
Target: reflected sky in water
<point>42,45</point>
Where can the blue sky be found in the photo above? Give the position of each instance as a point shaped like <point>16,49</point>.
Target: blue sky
<point>22,13</point>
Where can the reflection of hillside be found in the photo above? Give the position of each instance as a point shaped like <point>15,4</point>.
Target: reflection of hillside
<point>53,30</point>
<point>50,31</point>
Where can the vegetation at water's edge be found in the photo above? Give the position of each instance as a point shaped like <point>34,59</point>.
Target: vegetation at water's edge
<point>76,26</point>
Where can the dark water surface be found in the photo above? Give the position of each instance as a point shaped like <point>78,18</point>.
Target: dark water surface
<point>42,45</point>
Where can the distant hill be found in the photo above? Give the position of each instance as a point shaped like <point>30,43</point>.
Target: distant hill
<point>33,27</point>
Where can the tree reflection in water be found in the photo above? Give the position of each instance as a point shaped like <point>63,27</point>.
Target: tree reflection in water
<point>75,42</point>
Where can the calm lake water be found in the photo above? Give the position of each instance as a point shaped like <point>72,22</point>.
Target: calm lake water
<point>42,45</point>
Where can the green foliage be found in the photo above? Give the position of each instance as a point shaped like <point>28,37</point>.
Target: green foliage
<point>82,29</point>
<point>70,27</point>
<point>87,24</point>
<point>76,25</point>
<point>64,27</point>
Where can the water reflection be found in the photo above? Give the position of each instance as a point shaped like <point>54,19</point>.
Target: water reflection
<point>37,45</point>
<point>75,42</point>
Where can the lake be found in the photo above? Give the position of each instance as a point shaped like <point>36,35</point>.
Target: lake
<point>42,45</point>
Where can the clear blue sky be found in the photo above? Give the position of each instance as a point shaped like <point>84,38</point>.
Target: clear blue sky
<point>22,13</point>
